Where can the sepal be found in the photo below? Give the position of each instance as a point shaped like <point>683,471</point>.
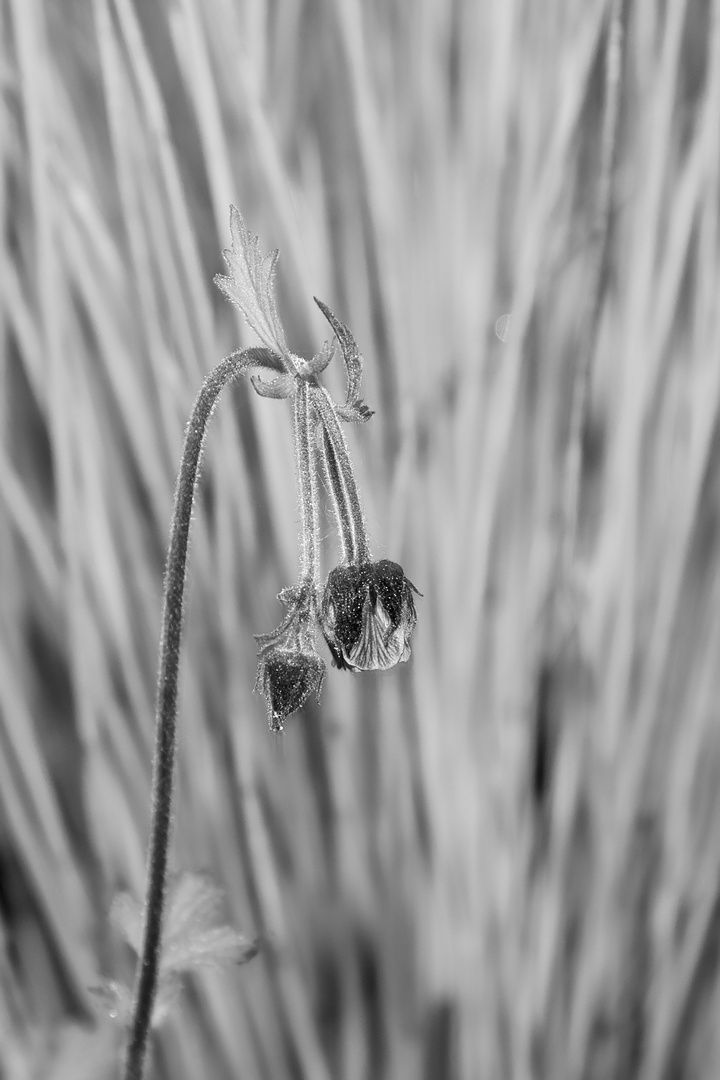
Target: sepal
<point>298,597</point>
<point>354,409</point>
<point>354,414</point>
<point>282,386</point>
<point>317,364</point>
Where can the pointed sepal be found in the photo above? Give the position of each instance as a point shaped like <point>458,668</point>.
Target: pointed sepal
<point>282,386</point>
<point>354,409</point>
<point>358,413</point>
<point>318,363</point>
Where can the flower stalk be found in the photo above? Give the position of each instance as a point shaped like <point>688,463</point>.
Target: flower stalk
<point>166,704</point>
<point>307,485</point>
<point>342,478</point>
<point>333,480</point>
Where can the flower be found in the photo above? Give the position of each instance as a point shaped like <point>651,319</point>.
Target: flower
<point>368,615</point>
<point>287,678</point>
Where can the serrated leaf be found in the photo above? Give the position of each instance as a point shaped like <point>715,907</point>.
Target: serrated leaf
<point>167,997</point>
<point>193,938</point>
<point>192,904</point>
<point>250,283</point>
<point>126,915</point>
<point>192,910</point>
<point>115,1000</point>
<point>214,947</point>
<point>353,366</point>
<point>192,935</point>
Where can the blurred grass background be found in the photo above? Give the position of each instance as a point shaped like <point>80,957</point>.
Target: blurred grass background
<point>499,861</point>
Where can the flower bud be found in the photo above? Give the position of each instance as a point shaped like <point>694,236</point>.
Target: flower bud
<point>368,615</point>
<point>287,677</point>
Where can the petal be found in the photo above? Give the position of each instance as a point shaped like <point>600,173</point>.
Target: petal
<point>380,645</point>
<point>368,616</point>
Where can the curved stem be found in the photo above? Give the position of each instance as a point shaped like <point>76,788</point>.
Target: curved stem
<point>166,706</point>
<point>346,491</point>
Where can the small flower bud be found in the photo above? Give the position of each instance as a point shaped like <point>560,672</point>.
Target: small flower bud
<point>368,615</point>
<point>286,678</point>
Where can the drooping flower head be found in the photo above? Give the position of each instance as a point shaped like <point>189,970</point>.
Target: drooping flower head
<point>289,668</point>
<point>287,678</point>
<point>367,612</point>
<point>368,615</point>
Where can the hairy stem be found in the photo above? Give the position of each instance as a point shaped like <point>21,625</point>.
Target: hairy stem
<point>166,705</point>
<point>345,493</point>
<point>307,486</point>
<point>333,479</point>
